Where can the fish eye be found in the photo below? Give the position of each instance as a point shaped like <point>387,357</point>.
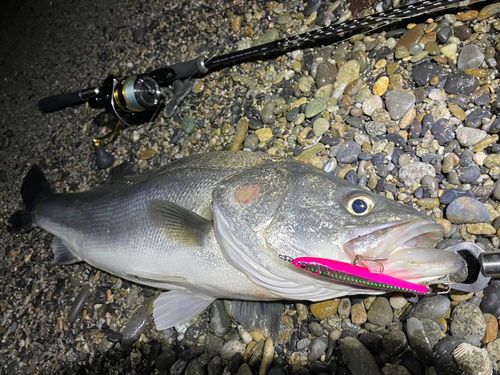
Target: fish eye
<point>360,205</point>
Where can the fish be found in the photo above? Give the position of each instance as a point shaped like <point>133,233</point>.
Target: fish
<point>213,226</point>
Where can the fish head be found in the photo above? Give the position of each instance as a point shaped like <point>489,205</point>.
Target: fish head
<point>297,210</point>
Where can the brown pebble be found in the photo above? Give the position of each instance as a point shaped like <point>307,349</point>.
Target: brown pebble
<point>463,32</point>
<point>488,11</point>
<point>481,228</point>
<point>358,314</point>
<point>443,323</point>
<point>487,142</point>
<point>392,68</point>
<point>380,86</point>
<point>412,36</point>
<point>353,87</point>
<point>491,328</point>
<point>445,224</point>
<point>440,60</point>
<point>236,23</point>
<point>434,80</point>
<point>322,310</point>
<point>466,16</point>
<point>147,154</point>
<point>356,111</point>
<point>479,73</point>
<point>457,111</point>
<point>264,134</point>
<point>428,202</point>
<point>408,118</point>
<point>239,135</point>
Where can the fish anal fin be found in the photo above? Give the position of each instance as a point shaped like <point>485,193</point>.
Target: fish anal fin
<point>178,307</point>
<point>62,255</point>
<point>179,224</point>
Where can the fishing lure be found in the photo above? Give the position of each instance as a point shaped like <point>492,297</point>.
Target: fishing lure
<point>355,275</point>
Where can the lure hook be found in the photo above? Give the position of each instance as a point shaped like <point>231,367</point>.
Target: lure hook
<point>360,258</point>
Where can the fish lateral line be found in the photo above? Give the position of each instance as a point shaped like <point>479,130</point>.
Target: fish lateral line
<point>354,275</point>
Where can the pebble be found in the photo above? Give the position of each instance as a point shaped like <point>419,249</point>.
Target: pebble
<point>494,349</point>
<point>320,126</point>
<point>326,73</point>
<point>470,136</point>
<point>465,210</point>
<point>414,172</point>
<point>380,313</point>
<point>357,357</point>
<point>443,131</point>
<point>488,11</point>
<point>251,142</point>
<point>269,36</point>
<point>135,326</point>
<point>219,322</point>
<point>347,73</point>
<point>490,302</point>
<point>348,152</point>
<point>461,83</point>
<point>471,57</point>
<point>317,348</point>
<point>443,359</point>
<point>398,102</point>
<point>432,331</point>
<point>139,33</point>
<point>78,304</point>
<point>450,51</point>
<point>344,308</point>
<point>315,107</point>
<point>394,342</point>
<point>267,356</point>
<point>444,34</point>
<point>431,307</point>
<point>264,134</point>
<point>358,314</point>
<point>472,360</point>
<point>449,195</point>
<point>239,135</point>
<point>325,309</point>
<point>491,328</point>
<point>372,103</point>
<point>469,174</point>
<point>467,321</point>
<point>475,118</point>
<point>230,349</point>
<point>419,340</point>
<point>380,86</point>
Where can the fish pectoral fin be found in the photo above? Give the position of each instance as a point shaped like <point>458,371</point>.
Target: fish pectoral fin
<point>155,277</point>
<point>178,307</point>
<point>62,255</point>
<point>178,223</point>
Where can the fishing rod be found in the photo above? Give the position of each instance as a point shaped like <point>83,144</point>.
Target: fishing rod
<point>137,99</point>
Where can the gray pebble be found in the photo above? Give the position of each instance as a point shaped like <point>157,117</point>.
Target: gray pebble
<point>320,126</point>
<point>213,344</point>
<point>431,307</point>
<point>359,360</point>
<point>251,142</point>
<point>178,367</point>
<point>466,158</point>
<point>220,322</point>
<point>444,34</point>
<point>432,331</point>
<point>312,6</point>
<point>344,307</point>
<point>165,360</point>
<point>139,33</point>
<point>471,57</point>
<point>467,321</point>
<point>348,152</point>
<point>380,312</point>
<point>316,329</point>
<point>461,83</point>
<point>315,107</point>
<point>231,348</point>
<point>469,174</point>
<point>414,172</point>
<point>443,360</point>
<point>135,326</point>
<point>317,348</point>
<point>470,136</point>
<point>398,102</point>
<point>496,190</point>
<point>466,210</point>
<point>292,114</point>
<point>418,340</point>
<point>431,183</point>
<point>244,369</point>
<point>375,128</point>
<point>394,342</point>
<point>304,343</point>
<point>325,74</point>
<point>215,366</point>
<point>449,195</point>
<point>475,118</point>
<point>78,304</point>
<point>422,73</point>
<point>197,365</point>
<point>188,124</point>
<point>443,131</point>
<point>491,301</point>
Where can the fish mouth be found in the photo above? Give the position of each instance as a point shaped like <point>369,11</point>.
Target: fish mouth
<point>404,250</point>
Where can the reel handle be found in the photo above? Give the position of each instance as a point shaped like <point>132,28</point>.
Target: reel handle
<point>57,102</point>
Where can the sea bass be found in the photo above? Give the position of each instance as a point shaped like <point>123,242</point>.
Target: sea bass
<point>214,226</point>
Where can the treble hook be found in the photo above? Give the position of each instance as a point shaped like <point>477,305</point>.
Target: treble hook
<point>359,258</point>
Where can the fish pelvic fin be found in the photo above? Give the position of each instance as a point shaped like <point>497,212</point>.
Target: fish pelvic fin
<point>35,187</point>
<point>179,224</point>
<point>62,255</point>
<point>178,307</point>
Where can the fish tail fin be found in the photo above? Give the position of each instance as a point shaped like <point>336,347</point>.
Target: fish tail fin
<point>263,317</point>
<point>35,187</point>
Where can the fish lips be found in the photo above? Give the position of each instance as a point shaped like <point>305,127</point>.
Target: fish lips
<point>404,250</point>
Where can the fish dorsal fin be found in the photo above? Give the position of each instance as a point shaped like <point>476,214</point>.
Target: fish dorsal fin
<point>62,255</point>
<point>178,307</point>
<point>178,223</point>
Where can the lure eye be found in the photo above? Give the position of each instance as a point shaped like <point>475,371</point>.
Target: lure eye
<point>360,205</point>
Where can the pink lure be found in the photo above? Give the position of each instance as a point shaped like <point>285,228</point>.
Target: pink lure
<point>356,275</point>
